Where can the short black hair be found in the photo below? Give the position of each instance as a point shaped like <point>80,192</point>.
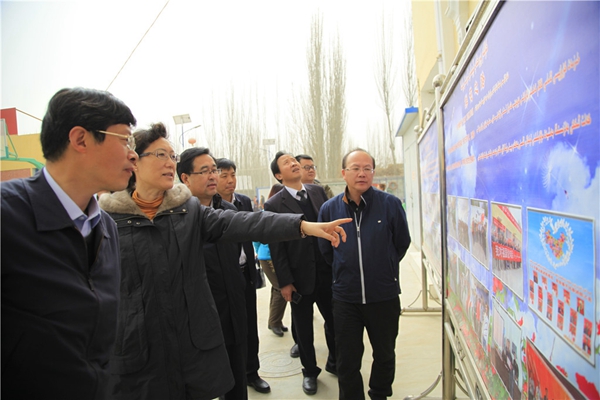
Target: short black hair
<point>300,157</point>
<point>274,167</point>
<point>144,138</point>
<point>92,109</point>
<point>352,151</point>
<point>226,163</point>
<point>186,159</point>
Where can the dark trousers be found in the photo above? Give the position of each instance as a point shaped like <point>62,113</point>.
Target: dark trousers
<point>237,361</point>
<point>302,323</point>
<point>381,321</point>
<point>253,364</point>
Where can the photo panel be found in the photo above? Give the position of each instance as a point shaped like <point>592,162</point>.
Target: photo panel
<point>506,351</point>
<point>507,246</point>
<point>560,252</point>
<point>478,231</point>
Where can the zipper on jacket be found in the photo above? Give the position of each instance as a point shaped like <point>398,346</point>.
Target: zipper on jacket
<point>357,221</point>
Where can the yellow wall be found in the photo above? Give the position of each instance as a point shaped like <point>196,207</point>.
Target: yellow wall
<point>426,48</point>
<point>27,146</point>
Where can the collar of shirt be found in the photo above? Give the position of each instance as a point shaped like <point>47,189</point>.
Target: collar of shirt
<point>356,207</point>
<point>235,201</point>
<point>85,223</point>
<point>294,192</point>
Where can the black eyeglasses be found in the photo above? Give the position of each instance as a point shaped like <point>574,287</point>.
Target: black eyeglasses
<point>162,154</point>
<point>309,167</point>
<point>130,139</point>
<point>206,171</point>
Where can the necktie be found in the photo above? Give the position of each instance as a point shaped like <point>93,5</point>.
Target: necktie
<point>303,198</point>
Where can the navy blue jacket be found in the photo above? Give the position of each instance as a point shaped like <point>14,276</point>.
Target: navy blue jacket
<point>59,315</point>
<point>366,266</point>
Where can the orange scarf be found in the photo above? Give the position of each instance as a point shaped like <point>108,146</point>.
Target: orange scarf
<point>148,207</point>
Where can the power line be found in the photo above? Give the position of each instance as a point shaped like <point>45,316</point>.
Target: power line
<point>137,45</point>
<point>29,115</point>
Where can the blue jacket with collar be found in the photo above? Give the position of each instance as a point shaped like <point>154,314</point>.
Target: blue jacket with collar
<point>366,266</point>
<point>59,313</point>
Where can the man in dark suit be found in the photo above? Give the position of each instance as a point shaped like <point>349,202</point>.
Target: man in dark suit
<point>60,252</point>
<point>199,172</point>
<point>301,269</point>
<point>226,184</point>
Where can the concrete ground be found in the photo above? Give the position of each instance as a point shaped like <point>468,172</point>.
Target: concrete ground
<point>418,350</point>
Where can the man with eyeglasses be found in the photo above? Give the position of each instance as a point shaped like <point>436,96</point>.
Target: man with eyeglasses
<point>198,170</point>
<point>366,285</point>
<point>309,173</point>
<point>60,252</point>
<point>226,185</point>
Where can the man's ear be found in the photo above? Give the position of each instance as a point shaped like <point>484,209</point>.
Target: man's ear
<point>278,176</point>
<point>78,139</point>
<point>185,179</point>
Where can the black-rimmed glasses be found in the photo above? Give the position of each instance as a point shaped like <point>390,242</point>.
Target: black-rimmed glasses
<point>162,154</point>
<point>130,139</point>
<point>309,167</point>
<point>206,171</point>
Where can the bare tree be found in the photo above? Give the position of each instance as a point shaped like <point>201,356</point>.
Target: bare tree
<point>297,128</point>
<point>409,79</point>
<point>378,148</point>
<point>209,125</point>
<point>320,115</point>
<point>314,109</point>
<point>237,132</point>
<point>336,109</point>
<point>385,77</point>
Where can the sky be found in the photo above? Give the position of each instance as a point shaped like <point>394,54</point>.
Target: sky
<point>195,53</point>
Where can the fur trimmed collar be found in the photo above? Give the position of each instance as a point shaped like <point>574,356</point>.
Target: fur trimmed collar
<point>122,203</point>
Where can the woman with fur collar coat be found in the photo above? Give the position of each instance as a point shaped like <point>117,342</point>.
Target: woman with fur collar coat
<point>169,343</point>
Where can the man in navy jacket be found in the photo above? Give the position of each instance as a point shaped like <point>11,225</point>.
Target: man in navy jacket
<point>60,252</point>
<point>366,283</point>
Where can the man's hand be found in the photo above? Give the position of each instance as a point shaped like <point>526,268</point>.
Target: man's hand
<point>331,231</point>
<point>287,290</point>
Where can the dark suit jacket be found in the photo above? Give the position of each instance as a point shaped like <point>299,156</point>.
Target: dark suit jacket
<point>59,314</point>
<point>294,261</point>
<point>245,204</point>
<point>226,282</point>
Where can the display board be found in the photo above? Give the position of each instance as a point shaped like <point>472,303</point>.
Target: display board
<point>429,169</point>
<point>522,170</point>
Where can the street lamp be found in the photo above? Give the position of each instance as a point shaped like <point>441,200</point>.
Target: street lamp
<point>180,120</point>
<point>191,141</point>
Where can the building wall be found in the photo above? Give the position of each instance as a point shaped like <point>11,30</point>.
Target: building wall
<point>424,33</point>
<point>26,146</point>
<point>438,29</point>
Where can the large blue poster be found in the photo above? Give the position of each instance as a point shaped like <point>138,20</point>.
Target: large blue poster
<point>522,146</point>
